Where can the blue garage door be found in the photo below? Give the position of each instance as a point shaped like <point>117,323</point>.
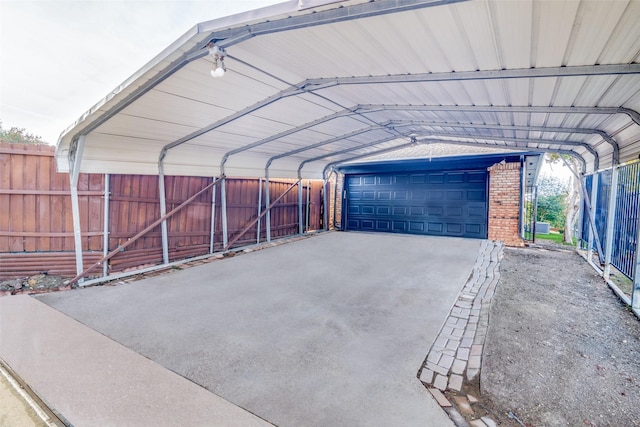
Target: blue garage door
<point>445,203</point>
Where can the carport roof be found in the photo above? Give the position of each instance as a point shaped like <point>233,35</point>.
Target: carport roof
<point>311,83</point>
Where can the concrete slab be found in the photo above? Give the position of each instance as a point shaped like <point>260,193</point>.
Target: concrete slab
<point>93,381</point>
<point>329,330</point>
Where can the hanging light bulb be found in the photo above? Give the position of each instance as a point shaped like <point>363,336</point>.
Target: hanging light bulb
<point>218,68</point>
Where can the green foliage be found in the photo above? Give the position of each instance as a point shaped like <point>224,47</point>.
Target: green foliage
<point>552,201</point>
<point>19,136</point>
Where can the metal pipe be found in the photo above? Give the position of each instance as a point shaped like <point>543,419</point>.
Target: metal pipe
<point>593,231</point>
<point>223,206</point>
<point>259,209</point>
<point>325,206</point>
<point>335,198</point>
<point>635,294</point>
<point>140,234</point>
<point>75,160</point>
<point>267,197</point>
<point>535,213</point>
<point>163,212</point>
<point>308,205</point>
<point>611,215</point>
<point>268,208</point>
<point>300,221</point>
<point>105,226</point>
<point>213,218</point>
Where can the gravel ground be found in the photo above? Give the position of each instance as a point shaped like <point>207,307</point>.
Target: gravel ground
<point>561,349</point>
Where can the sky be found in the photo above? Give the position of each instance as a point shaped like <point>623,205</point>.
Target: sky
<point>58,57</point>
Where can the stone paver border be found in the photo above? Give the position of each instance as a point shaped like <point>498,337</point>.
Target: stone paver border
<point>456,354</point>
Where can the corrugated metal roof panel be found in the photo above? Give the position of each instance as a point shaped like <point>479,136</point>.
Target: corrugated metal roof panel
<point>474,62</point>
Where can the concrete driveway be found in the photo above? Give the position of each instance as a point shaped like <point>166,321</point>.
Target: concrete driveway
<point>329,330</point>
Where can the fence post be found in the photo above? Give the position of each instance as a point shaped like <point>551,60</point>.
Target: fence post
<point>613,197</point>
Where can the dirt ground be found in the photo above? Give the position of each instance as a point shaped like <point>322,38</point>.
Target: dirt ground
<point>561,349</point>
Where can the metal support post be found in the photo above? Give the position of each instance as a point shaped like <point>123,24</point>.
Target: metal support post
<point>325,200</point>
<point>635,293</point>
<point>611,216</point>
<point>163,211</point>
<point>223,205</point>
<point>335,200</point>
<point>535,213</point>
<point>592,213</point>
<point>213,217</point>
<point>306,227</point>
<point>300,220</point>
<point>267,203</point>
<point>259,209</point>
<point>75,160</point>
<point>105,227</point>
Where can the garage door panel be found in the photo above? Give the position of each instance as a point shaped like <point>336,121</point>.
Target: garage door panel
<point>399,226</point>
<point>416,227</point>
<point>435,227</point>
<point>400,210</point>
<point>455,194</point>
<point>455,178</point>
<point>476,195</point>
<point>454,211</point>
<point>416,211</point>
<point>368,195</point>
<point>450,203</point>
<point>384,180</point>
<point>436,178</point>
<point>454,229</point>
<point>418,179</point>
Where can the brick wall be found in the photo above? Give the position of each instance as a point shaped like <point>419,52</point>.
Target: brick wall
<point>504,203</point>
<point>336,182</point>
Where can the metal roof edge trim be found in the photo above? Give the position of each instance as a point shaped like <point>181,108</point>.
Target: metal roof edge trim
<point>446,162</point>
<point>198,33</point>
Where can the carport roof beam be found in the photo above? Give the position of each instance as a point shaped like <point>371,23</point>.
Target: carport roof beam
<point>606,137</point>
<point>519,148</point>
<point>361,156</point>
<point>602,134</point>
<point>634,115</point>
<point>584,145</point>
<point>321,17</point>
<point>346,150</point>
<point>572,71</point>
<point>322,143</point>
<point>287,132</point>
<point>280,95</point>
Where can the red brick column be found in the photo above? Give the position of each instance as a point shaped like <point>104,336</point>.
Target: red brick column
<point>335,199</point>
<point>504,203</point>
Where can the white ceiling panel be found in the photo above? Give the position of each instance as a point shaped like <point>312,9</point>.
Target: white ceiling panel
<point>535,63</point>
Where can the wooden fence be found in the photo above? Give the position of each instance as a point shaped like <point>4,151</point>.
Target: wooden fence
<point>36,226</point>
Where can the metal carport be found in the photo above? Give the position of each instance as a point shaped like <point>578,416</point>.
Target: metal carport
<point>312,84</point>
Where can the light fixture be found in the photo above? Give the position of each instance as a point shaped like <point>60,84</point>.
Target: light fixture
<point>218,69</point>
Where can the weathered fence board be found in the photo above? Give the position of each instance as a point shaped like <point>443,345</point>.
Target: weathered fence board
<point>36,224</point>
